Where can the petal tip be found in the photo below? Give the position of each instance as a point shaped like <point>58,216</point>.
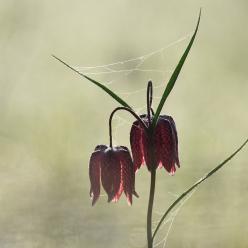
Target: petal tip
<point>94,200</point>
<point>135,194</point>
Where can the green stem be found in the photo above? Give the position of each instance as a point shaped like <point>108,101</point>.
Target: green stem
<point>150,206</point>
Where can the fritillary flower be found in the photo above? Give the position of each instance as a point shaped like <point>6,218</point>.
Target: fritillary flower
<point>163,142</point>
<point>113,167</point>
<point>154,146</point>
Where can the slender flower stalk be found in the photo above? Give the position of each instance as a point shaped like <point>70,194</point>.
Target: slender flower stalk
<point>153,169</point>
<point>150,208</point>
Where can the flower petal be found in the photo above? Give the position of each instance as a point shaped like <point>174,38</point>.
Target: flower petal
<point>166,144</point>
<point>136,144</point>
<point>127,174</point>
<point>94,174</point>
<point>176,139</point>
<point>175,136</point>
<point>146,147</point>
<point>110,174</point>
<point>147,142</point>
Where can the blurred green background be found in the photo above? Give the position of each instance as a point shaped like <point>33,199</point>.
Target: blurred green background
<point>51,120</point>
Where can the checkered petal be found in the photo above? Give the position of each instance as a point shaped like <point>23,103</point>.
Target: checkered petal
<point>127,174</point>
<point>111,174</point>
<point>94,173</point>
<point>166,143</point>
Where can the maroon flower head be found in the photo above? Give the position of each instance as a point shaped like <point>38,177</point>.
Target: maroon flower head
<point>114,168</point>
<point>159,148</point>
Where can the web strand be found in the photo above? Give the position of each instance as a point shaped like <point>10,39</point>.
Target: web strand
<point>123,69</point>
<point>173,215</point>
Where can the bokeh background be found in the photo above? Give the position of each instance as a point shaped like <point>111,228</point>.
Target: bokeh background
<point>51,119</point>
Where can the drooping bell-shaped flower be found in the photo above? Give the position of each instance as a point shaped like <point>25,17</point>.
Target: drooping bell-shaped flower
<point>157,149</point>
<point>113,167</point>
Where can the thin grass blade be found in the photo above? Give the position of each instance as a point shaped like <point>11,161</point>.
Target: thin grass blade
<point>185,193</point>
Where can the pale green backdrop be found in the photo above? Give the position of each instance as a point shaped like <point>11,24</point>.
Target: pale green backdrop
<point>51,120</point>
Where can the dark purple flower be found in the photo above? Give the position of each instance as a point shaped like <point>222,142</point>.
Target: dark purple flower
<point>114,168</point>
<point>160,148</point>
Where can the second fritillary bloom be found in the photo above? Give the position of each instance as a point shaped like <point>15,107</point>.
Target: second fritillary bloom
<point>163,143</point>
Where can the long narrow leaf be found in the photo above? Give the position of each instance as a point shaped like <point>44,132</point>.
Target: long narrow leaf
<point>175,74</point>
<point>110,92</point>
<point>195,185</point>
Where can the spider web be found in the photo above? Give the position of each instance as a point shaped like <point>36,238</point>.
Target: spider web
<point>122,75</point>
<point>170,221</point>
<point>125,68</point>
<point>116,75</point>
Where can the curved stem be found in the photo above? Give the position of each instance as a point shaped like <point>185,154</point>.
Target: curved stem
<point>149,100</point>
<point>128,110</point>
<point>150,207</point>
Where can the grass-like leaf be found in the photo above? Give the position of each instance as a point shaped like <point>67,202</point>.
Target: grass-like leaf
<point>103,87</point>
<point>174,76</point>
<point>195,185</point>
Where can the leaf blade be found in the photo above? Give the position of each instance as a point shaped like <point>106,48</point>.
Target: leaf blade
<point>103,87</point>
<point>175,74</point>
